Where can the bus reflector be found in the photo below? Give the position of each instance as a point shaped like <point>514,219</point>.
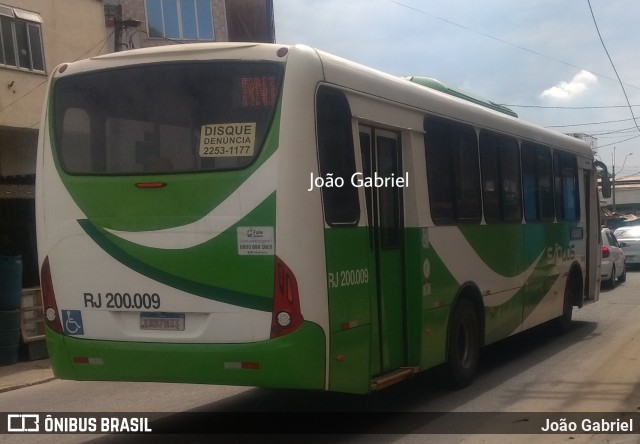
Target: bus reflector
<point>348,325</point>
<point>151,185</point>
<point>87,360</point>
<point>282,52</point>
<point>286,315</point>
<point>49,298</point>
<point>242,365</point>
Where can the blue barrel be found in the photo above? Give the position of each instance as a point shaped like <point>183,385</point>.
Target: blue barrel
<point>10,282</point>
<point>9,336</point>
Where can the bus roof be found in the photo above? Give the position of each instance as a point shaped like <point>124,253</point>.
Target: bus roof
<point>439,86</point>
<point>360,78</point>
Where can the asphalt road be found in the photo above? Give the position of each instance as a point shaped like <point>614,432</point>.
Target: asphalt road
<point>593,369</point>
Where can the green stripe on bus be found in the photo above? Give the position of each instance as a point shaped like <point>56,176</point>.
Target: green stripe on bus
<point>129,259</point>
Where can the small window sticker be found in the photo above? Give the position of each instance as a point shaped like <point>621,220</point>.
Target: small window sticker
<point>255,241</point>
<point>227,139</point>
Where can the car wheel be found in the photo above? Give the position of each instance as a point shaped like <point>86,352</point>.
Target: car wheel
<point>611,282</point>
<point>623,276</point>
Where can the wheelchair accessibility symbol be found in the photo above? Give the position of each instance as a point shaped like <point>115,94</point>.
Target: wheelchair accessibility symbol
<point>72,322</point>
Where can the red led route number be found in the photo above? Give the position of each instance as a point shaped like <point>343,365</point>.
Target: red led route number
<point>258,92</point>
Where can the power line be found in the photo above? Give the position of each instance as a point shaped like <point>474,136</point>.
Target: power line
<point>628,175</point>
<point>466,28</point>
<point>618,142</point>
<point>492,37</point>
<point>613,65</point>
<point>566,107</point>
<point>620,131</point>
<point>24,95</point>
<point>101,42</point>
<point>587,124</point>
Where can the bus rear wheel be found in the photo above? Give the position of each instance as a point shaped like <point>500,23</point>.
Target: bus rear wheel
<point>463,349</point>
<point>563,322</point>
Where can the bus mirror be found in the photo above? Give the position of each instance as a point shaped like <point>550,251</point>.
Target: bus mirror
<point>605,179</point>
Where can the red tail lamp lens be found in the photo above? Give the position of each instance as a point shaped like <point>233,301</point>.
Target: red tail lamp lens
<point>286,314</point>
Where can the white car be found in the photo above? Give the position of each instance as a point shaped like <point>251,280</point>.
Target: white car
<point>629,239</point>
<point>613,266</point>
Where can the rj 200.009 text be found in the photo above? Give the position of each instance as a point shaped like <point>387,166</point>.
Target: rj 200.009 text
<point>121,301</point>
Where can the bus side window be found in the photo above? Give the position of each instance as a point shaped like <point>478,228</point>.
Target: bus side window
<point>336,157</point>
<point>451,151</point>
<point>565,171</point>
<point>537,182</point>
<point>500,163</point>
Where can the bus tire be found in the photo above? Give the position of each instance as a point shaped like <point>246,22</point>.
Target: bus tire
<point>463,350</point>
<point>563,322</point>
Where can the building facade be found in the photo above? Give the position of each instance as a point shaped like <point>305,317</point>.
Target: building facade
<point>146,23</point>
<point>626,197</point>
<point>38,35</point>
<point>35,36</point>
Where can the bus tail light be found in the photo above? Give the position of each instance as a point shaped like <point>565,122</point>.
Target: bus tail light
<point>605,252</point>
<point>286,315</point>
<point>49,298</point>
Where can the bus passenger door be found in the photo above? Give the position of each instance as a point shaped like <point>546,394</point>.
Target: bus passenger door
<point>381,157</point>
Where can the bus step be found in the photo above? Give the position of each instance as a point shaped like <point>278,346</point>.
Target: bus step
<point>393,377</point>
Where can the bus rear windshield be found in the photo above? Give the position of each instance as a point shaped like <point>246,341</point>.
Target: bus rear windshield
<point>164,118</point>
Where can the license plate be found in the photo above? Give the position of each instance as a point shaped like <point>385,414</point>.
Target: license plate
<point>162,321</point>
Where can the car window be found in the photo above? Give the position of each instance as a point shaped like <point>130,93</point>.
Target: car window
<point>610,239</point>
<point>613,239</point>
<point>627,232</point>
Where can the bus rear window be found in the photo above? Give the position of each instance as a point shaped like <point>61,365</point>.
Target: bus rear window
<point>164,118</point>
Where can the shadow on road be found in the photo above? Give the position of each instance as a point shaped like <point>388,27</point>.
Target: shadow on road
<point>418,405</point>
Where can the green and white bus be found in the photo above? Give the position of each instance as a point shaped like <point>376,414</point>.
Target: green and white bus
<point>275,216</point>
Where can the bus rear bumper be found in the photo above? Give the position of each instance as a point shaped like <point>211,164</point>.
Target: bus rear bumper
<point>296,360</point>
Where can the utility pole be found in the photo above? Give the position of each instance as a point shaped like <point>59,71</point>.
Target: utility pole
<point>613,179</point>
<point>613,175</point>
<point>119,26</point>
<point>117,30</point>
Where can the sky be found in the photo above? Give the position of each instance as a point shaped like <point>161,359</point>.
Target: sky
<point>570,65</point>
